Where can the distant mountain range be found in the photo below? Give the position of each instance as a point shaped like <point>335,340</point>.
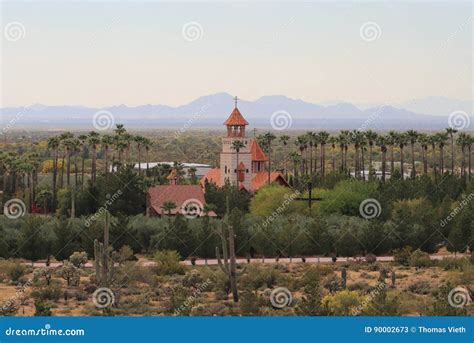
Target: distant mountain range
<point>212,110</point>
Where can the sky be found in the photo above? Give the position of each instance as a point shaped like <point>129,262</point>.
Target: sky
<point>135,53</point>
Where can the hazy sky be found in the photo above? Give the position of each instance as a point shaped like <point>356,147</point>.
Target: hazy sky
<point>134,53</point>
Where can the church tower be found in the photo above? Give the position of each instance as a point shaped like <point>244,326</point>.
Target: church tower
<point>231,169</point>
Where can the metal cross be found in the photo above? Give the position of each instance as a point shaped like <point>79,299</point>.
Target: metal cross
<point>236,99</point>
<point>310,198</point>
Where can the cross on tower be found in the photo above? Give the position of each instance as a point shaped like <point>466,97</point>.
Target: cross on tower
<point>236,99</point>
<point>254,132</point>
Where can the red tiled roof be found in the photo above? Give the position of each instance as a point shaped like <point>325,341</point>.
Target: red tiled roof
<point>179,194</point>
<point>212,176</point>
<point>261,179</point>
<point>236,118</point>
<point>257,152</point>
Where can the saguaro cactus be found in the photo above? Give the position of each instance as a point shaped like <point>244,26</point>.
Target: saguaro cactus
<point>228,263</point>
<point>394,279</point>
<point>344,277</point>
<point>104,265</point>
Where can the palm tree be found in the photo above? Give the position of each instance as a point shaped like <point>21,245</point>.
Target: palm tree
<point>424,142</point>
<point>392,141</point>
<point>192,175</point>
<point>301,142</point>
<point>363,148</point>
<point>147,144</point>
<point>107,141</point>
<point>371,139</point>
<point>139,140</point>
<point>323,137</point>
<point>63,139</point>
<point>433,140</point>
<point>381,141</point>
<point>43,197</point>
<point>312,141</point>
<point>284,139</point>
<point>442,138</point>
<point>402,140</point>
<point>333,140</point>
<point>451,132</point>
<point>53,144</point>
<point>269,138</point>
<point>75,149</point>
<point>119,129</point>
<point>462,142</point>
<point>356,138</point>
<point>412,137</point>
<point>296,158</point>
<point>93,140</point>
<point>469,143</point>
<point>83,142</point>
<point>168,206</point>
<point>237,145</point>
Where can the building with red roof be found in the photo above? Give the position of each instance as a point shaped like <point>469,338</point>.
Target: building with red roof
<point>244,165</point>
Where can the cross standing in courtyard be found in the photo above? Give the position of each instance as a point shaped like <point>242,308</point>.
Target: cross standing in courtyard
<point>310,198</point>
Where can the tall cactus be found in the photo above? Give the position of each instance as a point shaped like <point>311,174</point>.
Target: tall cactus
<point>228,263</point>
<point>344,277</point>
<point>394,279</point>
<point>104,265</point>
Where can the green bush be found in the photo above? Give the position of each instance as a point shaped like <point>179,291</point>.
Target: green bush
<point>420,287</point>
<point>402,256</point>
<point>47,293</point>
<point>42,309</point>
<point>451,263</point>
<point>420,259</point>
<point>260,276</point>
<point>333,283</point>
<point>15,271</point>
<point>167,263</point>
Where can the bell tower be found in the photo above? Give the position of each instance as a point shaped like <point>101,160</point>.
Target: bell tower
<point>236,159</point>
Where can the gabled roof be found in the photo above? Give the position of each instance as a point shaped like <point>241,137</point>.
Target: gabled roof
<point>236,119</point>
<point>257,152</point>
<point>261,179</point>
<point>212,176</point>
<point>179,194</point>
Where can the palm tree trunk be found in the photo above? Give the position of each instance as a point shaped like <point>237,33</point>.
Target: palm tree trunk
<point>402,161</point>
<point>441,160</point>
<point>82,168</point>
<point>384,162</point>
<point>413,169</point>
<point>94,163</point>
<point>452,154</point>
<point>425,162</point>
<point>68,170</point>
<point>392,160</point>
<point>469,149</point>
<point>362,163</point>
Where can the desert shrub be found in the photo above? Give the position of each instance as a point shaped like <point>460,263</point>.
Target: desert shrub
<point>258,277</point>
<point>420,259</point>
<point>78,259</point>
<point>442,307</point>
<point>167,263</point>
<point>42,309</point>
<point>9,308</point>
<point>333,283</point>
<point>311,302</point>
<point>370,258</point>
<point>70,273</point>
<point>15,271</point>
<point>342,303</point>
<point>180,302</point>
<point>367,276</point>
<point>402,256</point>
<point>52,292</point>
<point>420,287</point>
<point>44,274</point>
<point>193,279</point>
<point>451,263</point>
<point>81,295</point>
<point>130,272</point>
<point>358,286</point>
<point>250,303</point>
